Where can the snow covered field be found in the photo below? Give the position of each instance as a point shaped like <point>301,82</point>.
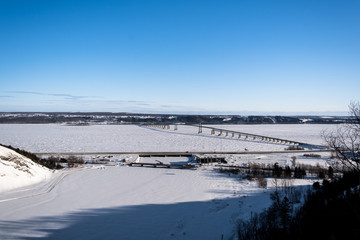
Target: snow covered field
<point>128,138</point>
<point>122,202</point>
<point>132,203</point>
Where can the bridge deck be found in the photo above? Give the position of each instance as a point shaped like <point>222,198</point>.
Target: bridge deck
<point>162,165</point>
<point>246,136</point>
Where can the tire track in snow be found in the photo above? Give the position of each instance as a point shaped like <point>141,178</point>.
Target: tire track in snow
<point>49,189</point>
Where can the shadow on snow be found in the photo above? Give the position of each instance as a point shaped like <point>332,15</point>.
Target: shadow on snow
<point>214,219</point>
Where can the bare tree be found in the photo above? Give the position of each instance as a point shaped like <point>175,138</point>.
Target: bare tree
<point>345,142</point>
<point>74,161</point>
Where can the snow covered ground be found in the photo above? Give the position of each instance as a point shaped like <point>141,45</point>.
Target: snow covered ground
<point>17,170</point>
<point>122,202</point>
<point>133,203</point>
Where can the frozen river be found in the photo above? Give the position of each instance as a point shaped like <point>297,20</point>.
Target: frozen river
<point>128,138</point>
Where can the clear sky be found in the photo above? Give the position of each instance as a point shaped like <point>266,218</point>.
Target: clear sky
<point>180,56</point>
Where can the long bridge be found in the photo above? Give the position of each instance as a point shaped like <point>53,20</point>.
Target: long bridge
<point>240,135</point>
<point>215,132</point>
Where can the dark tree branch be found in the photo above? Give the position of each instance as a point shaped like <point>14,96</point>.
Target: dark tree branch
<point>345,142</point>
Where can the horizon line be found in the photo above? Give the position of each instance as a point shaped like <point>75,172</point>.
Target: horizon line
<point>216,113</point>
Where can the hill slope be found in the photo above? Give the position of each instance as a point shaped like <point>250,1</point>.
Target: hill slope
<point>17,170</point>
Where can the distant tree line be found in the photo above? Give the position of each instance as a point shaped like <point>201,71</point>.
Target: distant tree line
<point>128,118</point>
<point>256,170</point>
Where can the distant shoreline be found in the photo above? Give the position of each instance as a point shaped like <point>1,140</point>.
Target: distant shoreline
<point>79,119</point>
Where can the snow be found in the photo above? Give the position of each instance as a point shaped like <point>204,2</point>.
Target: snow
<point>133,138</point>
<point>17,170</point>
<point>122,202</point>
<point>281,158</point>
<point>133,203</point>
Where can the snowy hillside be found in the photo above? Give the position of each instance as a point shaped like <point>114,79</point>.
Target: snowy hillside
<point>17,170</point>
<point>133,203</point>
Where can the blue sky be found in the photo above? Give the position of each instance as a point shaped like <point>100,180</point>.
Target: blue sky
<point>179,56</point>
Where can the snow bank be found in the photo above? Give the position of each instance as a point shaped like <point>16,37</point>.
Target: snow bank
<point>18,171</point>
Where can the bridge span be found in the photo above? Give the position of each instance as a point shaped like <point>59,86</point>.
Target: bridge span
<point>214,131</point>
<point>176,154</point>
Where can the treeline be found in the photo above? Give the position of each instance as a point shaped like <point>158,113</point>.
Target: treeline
<point>330,211</point>
<point>50,163</point>
<point>70,161</point>
<point>256,170</point>
<point>128,118</point>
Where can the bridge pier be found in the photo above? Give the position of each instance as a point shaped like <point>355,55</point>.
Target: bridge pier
<point>232,134</point>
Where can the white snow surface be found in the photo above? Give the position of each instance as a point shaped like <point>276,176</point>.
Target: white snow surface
<point>18,171</point>
<point>121,202</point>
<point>133,138</point>
<point>132,203</point>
